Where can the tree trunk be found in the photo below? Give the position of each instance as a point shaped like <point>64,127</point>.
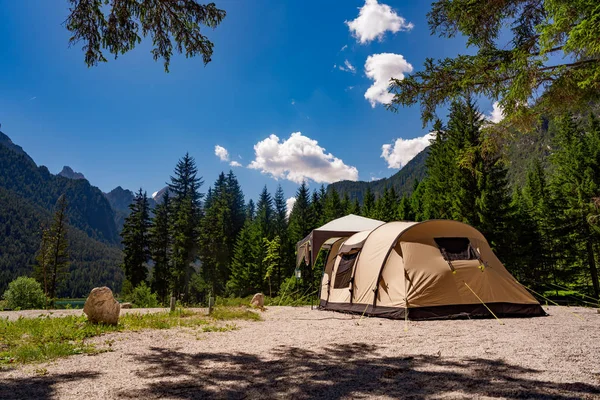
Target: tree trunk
<point>593,269</point>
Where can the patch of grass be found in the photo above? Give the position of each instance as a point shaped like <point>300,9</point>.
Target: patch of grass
<point>44,338</point>
<point>226,328</point>
<point>229,313</point>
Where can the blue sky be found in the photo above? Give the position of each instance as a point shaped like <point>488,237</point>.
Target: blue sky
<point>126,122</point>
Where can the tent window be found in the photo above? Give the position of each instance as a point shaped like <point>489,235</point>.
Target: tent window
<point>344,271</point>
<point>456,248</point>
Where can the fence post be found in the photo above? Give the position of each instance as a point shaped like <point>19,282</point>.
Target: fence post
<point>211,304</point>
<point>173,303</point>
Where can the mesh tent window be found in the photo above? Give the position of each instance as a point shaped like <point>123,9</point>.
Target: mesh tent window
<point>456,248</point>
<point>344,272</point>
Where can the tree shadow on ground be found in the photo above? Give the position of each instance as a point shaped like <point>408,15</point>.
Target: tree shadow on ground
<point>38,387</point>
<point>340,371</point>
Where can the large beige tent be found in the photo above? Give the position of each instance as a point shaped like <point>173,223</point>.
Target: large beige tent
<point>308,248</point>
<point>427,270</point>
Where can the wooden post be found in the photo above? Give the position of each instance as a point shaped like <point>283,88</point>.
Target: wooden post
<point>211,304</point>
<point>173,303</point>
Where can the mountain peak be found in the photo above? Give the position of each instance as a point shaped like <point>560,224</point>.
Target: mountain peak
<point>68,172</point>
<point>5,141</point>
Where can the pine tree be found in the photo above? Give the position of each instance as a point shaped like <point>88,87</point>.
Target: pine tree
<point>42,260</point>
<point>368,208</point>
<point>264,213</point>
<point>441,173</point>
<point>187,213</point>
<point>272,258</point>
<point>299,222</point>
<point>333,206</point>
<point>58,247</point>
<point>576,183</point>
<point>160,247</point>
<point>405,212</point>
<point>250,210</point>
<point>386,207</point>
<point>317,218</point>
<point>246,276</point>
<point>286,254</point>
<point>136,240</point>
<point>353,208</point>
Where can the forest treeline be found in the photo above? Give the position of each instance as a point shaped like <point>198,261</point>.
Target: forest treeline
<point>546,232</point>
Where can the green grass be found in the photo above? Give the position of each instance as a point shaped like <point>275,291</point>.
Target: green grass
<point>28,340</point>
<point>229,313</point>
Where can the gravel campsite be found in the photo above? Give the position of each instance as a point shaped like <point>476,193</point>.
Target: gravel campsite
<point>296,352</point>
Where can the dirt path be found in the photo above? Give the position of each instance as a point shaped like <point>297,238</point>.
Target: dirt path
<point>299,353</point>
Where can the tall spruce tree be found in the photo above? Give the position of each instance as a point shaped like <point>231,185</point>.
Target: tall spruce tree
<point>332,208</point>
<point>187,212</point>
<point>136,240</point>
<point>368,208</point>
<point>58,247</point>
<point>160,247</point>
<point>42,260</point>
<point>299,222</point>
<point>285,261</point>
<point>576,183</point>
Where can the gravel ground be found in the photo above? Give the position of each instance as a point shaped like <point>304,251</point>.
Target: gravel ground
<point>299,353</point>
<point>12,315</point>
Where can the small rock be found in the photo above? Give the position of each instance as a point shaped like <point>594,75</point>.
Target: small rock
<point>102,307</point>
<point>126,305</point>
<point>258,300</point>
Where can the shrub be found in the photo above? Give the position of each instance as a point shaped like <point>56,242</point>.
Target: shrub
<point>143,297</point>
<point>25,294</point>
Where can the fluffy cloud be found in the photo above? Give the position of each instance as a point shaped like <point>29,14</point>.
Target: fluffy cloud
<point>235,164</point>
<point>289,203</point>
<point>496,115</point>
<point>222,153</point>
<point>374,20</point>
<point>402,151</point>
<point>299,158</point>
<point>381,68</point>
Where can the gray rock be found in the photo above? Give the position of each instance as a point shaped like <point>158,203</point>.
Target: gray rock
<point>126,305</point>
<point>102,307</point>
<point>258,300</point>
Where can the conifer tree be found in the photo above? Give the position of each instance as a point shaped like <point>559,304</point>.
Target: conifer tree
<point>187,212</point>
<point>333,205</point>
<point>285,262</point>
<point>405,212</point>
<point>160,247</point>
<point>299,222</point>
<point>58,247</point>
<point>353,208</point>
<point>264,213</point>
<point>576,183</point>
<point>250,210</point>
<point>246,277</point>
<point>368,208</point>
<point>441,172</point>
<point>42,260</point>
<point>317,218</point>
<point>136,240</point>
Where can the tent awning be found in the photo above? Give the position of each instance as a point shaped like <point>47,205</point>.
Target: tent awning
<point>309,247</point>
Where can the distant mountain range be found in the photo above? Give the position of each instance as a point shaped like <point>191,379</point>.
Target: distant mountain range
<point>402,181</point>
<point>28,194</point>
<point>519,151</point>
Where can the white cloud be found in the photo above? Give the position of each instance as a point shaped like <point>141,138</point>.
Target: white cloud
<point>344,47</point>
<point>402,151</point>
<point>349,66</point>
<point>235,164</point>
<point>497,113</point>
<point>299,158</point>
<point>381,68</point>
<point>222,153</point>
<point>374,20</point>
<point>289,203</point>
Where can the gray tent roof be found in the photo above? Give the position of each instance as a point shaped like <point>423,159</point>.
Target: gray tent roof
<point>308,248</point>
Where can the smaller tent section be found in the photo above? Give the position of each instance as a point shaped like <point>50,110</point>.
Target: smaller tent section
<point>427,270</point>
<point>309,247</point>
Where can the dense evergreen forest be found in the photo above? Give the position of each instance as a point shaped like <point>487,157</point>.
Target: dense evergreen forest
<point>545,230</point>
<point>541,217</point>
